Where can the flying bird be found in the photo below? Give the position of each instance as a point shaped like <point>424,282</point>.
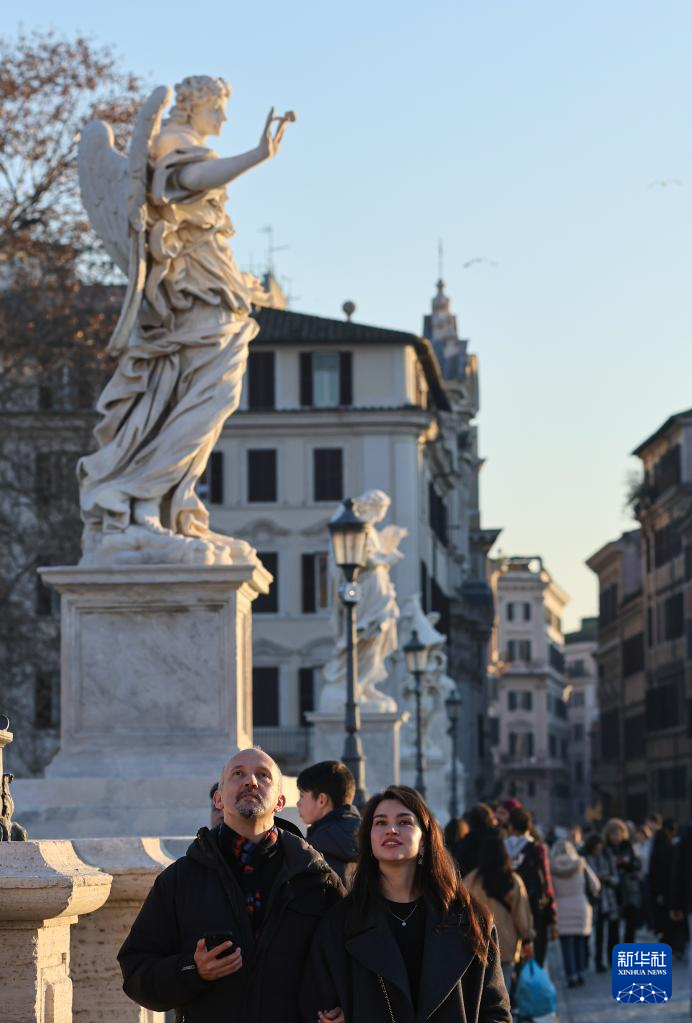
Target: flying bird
<point>664,182</point>
<point>477,259</point>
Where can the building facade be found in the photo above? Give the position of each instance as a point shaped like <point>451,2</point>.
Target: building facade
<point>331,409</point>
<point>619,772</point>
<point>581,672</point>
<point>531,730</point>
<point>664,511</point>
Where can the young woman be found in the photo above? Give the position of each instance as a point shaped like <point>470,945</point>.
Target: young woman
<point>503,892</point>
<point>575,886</point>
<point>626,866</point>
<point>407,942</point>
<point>605,905</point>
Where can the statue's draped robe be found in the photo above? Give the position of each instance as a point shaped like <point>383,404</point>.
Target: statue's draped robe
<point>181,374</point>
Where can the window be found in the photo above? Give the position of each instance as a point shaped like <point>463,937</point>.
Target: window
<point>607,605</point>
<point>326,379</point>
<point>577,699</point>
<point>328,483</point>
<point>552,745</point>
<point>210,486</point>
<point>633,654</point>
<point>47,700</point>
<point>610,736</point>
<point>519,650</point>
<point>306,693</point>
<point>578,732</point>
<point>668,470</point>
<point>55,480</point>
<point>261,474</point>
<point>527,611</point>
<point>635,736</point>
<point>556,658</point>
<point>578,771</point>
<point>667,544</point>
<point>671,782</point>
<point>268,603</point>
<point>316,582</point>
<point>437,514</point>
<point>521,744</point>
<point>519,700</point>
<point>674,616</point>
<point>531,786</point>
<point>563,750</point>
<point>576,669</point>
<point>265,697</point>
<point>663,705</point>
<point>510,612</point>
<point>260,377</point>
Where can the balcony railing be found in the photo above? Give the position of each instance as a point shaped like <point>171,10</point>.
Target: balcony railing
<point>284,744</point>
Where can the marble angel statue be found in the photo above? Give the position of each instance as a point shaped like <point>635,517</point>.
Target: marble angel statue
<point>437,685</point>
<point>182,338</point>
<point>377,613</point>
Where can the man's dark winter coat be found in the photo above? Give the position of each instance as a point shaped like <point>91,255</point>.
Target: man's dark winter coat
<point>199,893</point>
<point>336,836</point>
<point>350,950</point>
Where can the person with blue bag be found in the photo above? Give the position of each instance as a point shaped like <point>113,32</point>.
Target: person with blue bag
<point>535,993</point>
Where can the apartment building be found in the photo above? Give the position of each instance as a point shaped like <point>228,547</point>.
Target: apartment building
<point>619,772</point>
<point>581,672</point>
<point>531,730</point>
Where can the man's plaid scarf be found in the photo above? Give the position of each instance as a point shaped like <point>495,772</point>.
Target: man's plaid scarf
<point>250,856</point>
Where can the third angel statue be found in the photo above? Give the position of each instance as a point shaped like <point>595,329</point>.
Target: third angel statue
<point>184,329</point>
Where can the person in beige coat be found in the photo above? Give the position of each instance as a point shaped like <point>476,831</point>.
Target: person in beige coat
<point>576,886</point>
<point>503,892</point>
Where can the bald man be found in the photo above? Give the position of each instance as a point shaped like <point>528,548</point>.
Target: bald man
<point>263,886</point>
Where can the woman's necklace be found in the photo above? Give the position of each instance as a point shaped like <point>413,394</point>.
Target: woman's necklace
<point>406,918</point>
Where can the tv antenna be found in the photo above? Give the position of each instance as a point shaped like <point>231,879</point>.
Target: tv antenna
<point>271,248</point>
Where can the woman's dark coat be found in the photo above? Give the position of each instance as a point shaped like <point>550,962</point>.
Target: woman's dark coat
<point>349,950</point>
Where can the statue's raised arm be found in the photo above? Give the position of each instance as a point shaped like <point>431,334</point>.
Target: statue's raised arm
<point>183,333</point>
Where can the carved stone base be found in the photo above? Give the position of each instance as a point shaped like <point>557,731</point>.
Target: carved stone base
<point>380,738</point>
<point>156,694</point>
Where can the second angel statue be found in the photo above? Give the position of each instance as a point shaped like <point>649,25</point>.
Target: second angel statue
<point>184,329</point>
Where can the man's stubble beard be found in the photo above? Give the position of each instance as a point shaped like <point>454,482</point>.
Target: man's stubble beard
<point>257,808</point>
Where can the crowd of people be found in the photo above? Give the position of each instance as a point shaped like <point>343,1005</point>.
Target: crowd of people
<point>381,916</point>
<point>592,891</point>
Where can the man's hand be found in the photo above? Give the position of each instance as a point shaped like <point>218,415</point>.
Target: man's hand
<point>331,1016</point>
<point>211,968</point>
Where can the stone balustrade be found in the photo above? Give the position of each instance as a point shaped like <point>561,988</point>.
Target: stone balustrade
<point>134,864</point>
<point>44,888</point>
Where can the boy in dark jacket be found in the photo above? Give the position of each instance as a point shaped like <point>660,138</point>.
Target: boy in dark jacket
<point>326,790</point>
<point>264,885</point>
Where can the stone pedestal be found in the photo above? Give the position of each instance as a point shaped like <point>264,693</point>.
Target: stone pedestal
<point>134,864</point>
<point>156,694</point>
<point>379,735</point>
<point>44,887</point>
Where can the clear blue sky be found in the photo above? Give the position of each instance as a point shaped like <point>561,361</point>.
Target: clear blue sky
<point>527,133</point>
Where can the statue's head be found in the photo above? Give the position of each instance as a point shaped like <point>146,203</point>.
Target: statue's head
<point>372,506</point>
<point>200,101</point>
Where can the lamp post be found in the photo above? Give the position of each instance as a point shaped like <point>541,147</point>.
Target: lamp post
<point>348,534</point>
<point>416,654</point>
<point>453,706</point>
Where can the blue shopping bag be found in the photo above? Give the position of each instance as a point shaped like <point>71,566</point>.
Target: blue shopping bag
<point>535,993</point>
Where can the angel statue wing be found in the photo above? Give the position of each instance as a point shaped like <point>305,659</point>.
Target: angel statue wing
<point>114,193</point>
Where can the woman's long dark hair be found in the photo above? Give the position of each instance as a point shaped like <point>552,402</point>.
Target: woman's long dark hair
<point>495,868</point>
<point>437,877</point>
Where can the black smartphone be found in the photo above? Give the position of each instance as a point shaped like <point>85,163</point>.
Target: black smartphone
<point>214,938</point>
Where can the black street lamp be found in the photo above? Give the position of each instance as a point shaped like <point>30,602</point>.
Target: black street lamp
<point>348,534</point>
<point>416,654</point>
<point>453,706</point>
